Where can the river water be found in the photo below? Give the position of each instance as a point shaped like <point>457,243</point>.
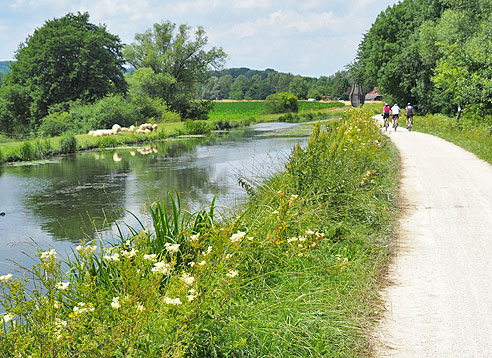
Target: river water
<point>57,203</point>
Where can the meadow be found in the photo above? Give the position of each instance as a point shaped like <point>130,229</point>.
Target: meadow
<point>292,273</point>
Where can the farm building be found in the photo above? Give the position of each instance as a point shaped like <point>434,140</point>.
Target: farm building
<point>374,95</point>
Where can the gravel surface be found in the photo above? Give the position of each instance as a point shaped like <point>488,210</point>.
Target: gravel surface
<point>439,298</point>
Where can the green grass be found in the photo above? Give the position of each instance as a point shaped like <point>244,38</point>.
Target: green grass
<point>242,110</point>
<point>473,137</point>
<point>294,274</point>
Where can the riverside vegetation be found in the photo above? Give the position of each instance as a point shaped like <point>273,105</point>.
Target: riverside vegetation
<point>294,273</point>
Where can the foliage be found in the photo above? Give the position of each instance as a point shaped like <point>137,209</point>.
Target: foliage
<point>64,60</point>
<point>174,63</point>
<point>54,124</point>
<point>14,110</point>
<point>281,103</point>
<point>196,127</point>
<point>68,143</point>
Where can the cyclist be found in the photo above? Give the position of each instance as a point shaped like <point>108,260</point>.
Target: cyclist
<point>395,114</point>
<point>386,114</point>
<point>409,112</point>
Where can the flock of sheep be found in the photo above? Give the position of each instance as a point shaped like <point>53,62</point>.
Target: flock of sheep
<point>145,128</point>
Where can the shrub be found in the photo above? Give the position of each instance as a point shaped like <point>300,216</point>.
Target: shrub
<point>54,124</point>
<point>222,124</point>
<point>282,102</point>
<point>107,142</point>
<point>68,143</point>
<point>42,148</point>
<point>196,127</point>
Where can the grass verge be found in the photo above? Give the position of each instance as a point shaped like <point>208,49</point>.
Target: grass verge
<point>473,137</point>
<point>294,274</point>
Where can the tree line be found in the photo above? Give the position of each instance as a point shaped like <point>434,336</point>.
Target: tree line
<point>246,84</point>
<point>434,54</point>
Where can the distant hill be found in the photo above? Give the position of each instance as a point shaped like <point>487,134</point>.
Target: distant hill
<point>4,66</point>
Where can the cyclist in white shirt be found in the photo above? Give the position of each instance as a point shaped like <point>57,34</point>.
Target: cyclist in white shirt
<point>395,114</point>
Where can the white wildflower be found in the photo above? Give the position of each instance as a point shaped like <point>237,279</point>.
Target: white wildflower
<point>292,239</point>
<point>127,243</point>
<point>116,303</point>
<point>237,237</point>
<point>309,232</point>
<point>48,255</point>
<point>62,286</point>
<point>140,308</point>
<point>192,294</point>
<point>275,212</point>
<point>172,301</point>
<point>6,278</point>
<point>161,267</point>
<point>150,257</point>
<point>232,273</point>
<point>56,305</point>
<point>250,238</point>
<point>194,237</point>
<point>201,263</point>
<point>192,264</point>
<point>129,254</point>
<point>171,248</point>
<point>187,279</point>
<point>8,317</point>
<point>209,250</point>
<point>227,256</point>
<point>59,323</point>
<point>302,239</point>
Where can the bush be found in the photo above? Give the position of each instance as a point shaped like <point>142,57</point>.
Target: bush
<point>196,127</point>
<point>68,143</point>
<point>282,102</point>
<point>54,124</point>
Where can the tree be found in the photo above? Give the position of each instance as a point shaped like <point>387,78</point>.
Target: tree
<point>282,102</point>
<point>170,52</point>
<point>67,59</point>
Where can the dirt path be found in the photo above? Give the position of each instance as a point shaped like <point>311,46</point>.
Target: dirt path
<point>439,302</point>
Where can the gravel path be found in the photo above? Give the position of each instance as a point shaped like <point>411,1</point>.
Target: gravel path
<point>439,301</point>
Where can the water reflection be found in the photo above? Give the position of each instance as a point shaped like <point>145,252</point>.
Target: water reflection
<point>66,199</point>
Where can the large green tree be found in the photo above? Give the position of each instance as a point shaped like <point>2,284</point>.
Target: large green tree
<point>67,59</point>
<point>181,62</point>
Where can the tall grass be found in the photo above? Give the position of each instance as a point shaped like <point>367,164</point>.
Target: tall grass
<point>294,273</point>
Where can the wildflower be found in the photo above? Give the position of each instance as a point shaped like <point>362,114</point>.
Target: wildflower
<point>201,263</point>
<point>161,267</point>
<point>292,239</point>
<point>83,308</point>
<point>232,273</point>
<point>192,294</point>
<point>8,317</point>
<point>127,243</point>
<point>281,193</point>
<point>79,248</point>
<point>6,278</point>
<point>171,301</point>
<point>300,246</point>
<point>250,238</point>
<point>192,264</point>
<point>48,255</point>
<point>129,254</point>
<point>59,323</point>
<point>209,250</point>
<point>275,212</point>
<point>140,308</point>
<point>187,279</point>
<point>309,232</point>
<point>56,305</point>
<point>194,237</point>
<point>227,256</point>
<point>88,250</point>
<point>293,199</point>
<point>319,235</point>
<point>62,286</point>
<point>172,248</point>
<point>116,303</point>
<point>302,239</point>
<point>237,237</point>
<point>150,257</point>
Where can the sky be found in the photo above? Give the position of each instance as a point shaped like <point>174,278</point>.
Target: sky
<point>303,37</point>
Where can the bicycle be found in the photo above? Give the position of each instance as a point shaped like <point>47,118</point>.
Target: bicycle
<point>410,122</point>
<point>386,124</point>
<point>395,122</point>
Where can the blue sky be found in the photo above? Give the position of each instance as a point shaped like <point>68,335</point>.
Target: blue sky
<point>307,37</point>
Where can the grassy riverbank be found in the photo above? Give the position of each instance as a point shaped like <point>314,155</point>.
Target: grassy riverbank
<point>226,115</point>
<point>473,136</point>
<point>294,273</point>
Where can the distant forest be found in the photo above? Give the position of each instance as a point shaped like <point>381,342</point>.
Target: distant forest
<point>244,83</point>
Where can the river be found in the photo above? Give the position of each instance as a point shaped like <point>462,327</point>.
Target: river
<point>59,202</point>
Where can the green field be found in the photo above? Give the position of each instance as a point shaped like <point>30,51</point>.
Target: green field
<point>239,110</point>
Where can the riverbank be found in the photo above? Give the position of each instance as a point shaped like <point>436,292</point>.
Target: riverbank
<point>226,117</point>
<point>294,272</point>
